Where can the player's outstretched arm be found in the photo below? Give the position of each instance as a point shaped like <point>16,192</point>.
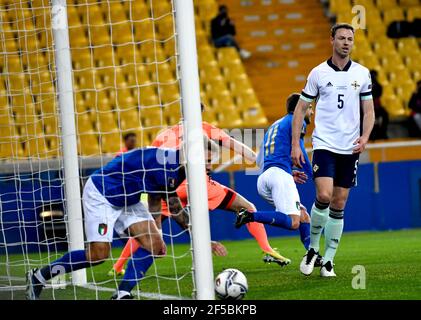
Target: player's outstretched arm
<point>240,148</point>
<point>368,123</point>
<point>297,156</point>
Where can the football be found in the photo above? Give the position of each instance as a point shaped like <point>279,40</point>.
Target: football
<point>231,284</point>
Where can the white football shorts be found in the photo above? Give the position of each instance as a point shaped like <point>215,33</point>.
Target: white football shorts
<point>101,217</point>
<point>278,188</point>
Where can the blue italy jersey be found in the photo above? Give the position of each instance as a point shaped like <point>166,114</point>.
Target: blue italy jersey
<point>276,147</point>
<point>148,170</point>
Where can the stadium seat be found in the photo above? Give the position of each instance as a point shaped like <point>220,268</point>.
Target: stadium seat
<point>386,4</point>
<point>106,122</point>
<point>129,119</point>
<point>137,10</point>
<point>228,118</point>
<point>394,14</point>
<point>121,33</point>
<point>160,9</point>
<point>393,105</point>
<point>405,90</point>
<point>88,144</point>
<point>413,13</point>
<point>409,3</point>
<point>169,92</point>
<point>83,123</point>
<point>207,10</point>
<point>143,29</point>
<point>165,27</point>
<point>98,35</point>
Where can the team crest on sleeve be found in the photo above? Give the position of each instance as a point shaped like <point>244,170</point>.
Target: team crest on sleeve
<point>315,168</point>
<point>102,229</point>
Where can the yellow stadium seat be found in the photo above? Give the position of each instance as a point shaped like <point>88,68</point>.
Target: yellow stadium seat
<point>83,123</point>
<point>165,27</point>
<point>110,141</point>
<point>413,63</point>
<point>209,116</point>
<point>383,45</point>
<point>391,60</point>
<point>374,31</point>
<point>408,47</point>
<point>169,92</point>
<point>228,56</point>
<point>50,124</point>
<point>399,77</point>
<point>77,36</point>
<point>215,85</point>
<point>386,4</point>
<point>17,82</point>
<point>161,72</point>
<point>106,122</point>
<point>338,6</point>
<point>115,13</point>
<point>137,10</point>
<point>405,90</point>
<point>129,119</point>
<point>228,118</point>
<point>143,29</point>
<point>414,13</point>
<point>394,14</point>
<point>172,113</point>
<point>253,117</point>
<point>121,33</point>
<point>152,117</point>
<point>160,9</point>
<point>105,54</point>
<point>393,105</point>
<point>409,3</point>
<point>98,35</point>
<point>208,9</point>
<point>88,144</point>
<point>10,146</point>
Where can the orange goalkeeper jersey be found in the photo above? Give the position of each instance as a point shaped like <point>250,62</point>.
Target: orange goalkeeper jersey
<point>172,137</point>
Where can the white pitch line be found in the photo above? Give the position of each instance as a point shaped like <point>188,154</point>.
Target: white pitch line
<point>90,286</point>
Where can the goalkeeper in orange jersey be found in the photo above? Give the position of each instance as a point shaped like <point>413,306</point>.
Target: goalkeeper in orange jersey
<point>219,196</point>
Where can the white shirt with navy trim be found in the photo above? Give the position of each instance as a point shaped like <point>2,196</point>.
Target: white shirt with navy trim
<point>338,94</point>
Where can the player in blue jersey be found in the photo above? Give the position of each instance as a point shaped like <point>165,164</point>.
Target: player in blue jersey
<point>276,183</point>
<point>111,200</point>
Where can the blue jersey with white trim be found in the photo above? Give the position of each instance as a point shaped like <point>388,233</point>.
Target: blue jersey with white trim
<point>148,170</point>
<point>276,147</point>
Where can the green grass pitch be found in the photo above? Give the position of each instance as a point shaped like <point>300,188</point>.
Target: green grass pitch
<point>392,263</point>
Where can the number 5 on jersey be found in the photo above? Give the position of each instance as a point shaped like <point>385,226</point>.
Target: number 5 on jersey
<point>340,101</point>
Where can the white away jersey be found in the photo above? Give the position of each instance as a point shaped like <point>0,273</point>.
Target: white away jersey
<point>338,93</point>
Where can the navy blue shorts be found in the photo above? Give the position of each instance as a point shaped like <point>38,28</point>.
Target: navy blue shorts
<point>341,167</point>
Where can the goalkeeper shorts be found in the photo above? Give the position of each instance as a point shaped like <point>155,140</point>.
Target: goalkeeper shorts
<point>219,196</point>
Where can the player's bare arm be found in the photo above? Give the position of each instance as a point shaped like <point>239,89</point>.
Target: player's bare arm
<point>368,123</point>
<point>297,122</point>
<point>240,148</point>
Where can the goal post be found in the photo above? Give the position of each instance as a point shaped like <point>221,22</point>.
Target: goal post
<point>76,77</point>
<point>190,93</point>
<point>71,171</point>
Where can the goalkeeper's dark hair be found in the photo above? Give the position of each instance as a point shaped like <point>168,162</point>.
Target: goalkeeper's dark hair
<point>129,135</point>
<point>292,101</point>
<point>341,26</point>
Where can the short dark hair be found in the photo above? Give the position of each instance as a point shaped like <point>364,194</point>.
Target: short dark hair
<point>292,101</point>
<point>129,135</point>
<point>341,26</point>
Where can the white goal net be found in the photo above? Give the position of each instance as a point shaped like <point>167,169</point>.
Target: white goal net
<point>124,80</point>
